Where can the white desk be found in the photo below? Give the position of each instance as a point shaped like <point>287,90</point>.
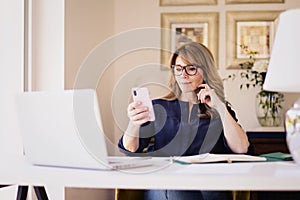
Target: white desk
<point>235,176</point>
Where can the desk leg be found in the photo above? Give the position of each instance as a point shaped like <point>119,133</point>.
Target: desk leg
<point>22,192</point>
<point>40,193</point>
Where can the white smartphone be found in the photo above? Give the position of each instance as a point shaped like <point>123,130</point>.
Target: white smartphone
<point>142,94</point>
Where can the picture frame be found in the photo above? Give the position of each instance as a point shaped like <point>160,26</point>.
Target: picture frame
<point>187,2</point>
<point>252,1</point>
<point>179,28</point>
<point>255,29</point>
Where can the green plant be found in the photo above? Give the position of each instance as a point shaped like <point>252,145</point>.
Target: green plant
<point>253,72</point>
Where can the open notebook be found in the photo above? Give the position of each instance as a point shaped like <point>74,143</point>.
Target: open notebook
<point>64,129</point>
<point>213,158</point>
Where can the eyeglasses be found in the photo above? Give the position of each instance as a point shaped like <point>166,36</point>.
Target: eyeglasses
<point>191,70</point>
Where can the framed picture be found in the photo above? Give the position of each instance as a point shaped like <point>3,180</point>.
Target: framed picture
<point>186,2</point>
<point>257,36</point>
<point>180,28</point>
<point>252,1</point>
<point>254,29</point>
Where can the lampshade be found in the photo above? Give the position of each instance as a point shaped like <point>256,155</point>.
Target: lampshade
<point>284,67</point>
<point>284,73</point>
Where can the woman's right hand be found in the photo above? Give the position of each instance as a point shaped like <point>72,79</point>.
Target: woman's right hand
<point>137,113</point>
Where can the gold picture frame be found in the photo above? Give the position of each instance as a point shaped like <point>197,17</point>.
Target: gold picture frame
<point>250,28</point>
<point>252,1</point>
<point>186,2</point>
<point>183,27</point>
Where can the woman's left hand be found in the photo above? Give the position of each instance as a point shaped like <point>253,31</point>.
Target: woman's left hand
<point>208,96</point>
<point>235,136</point>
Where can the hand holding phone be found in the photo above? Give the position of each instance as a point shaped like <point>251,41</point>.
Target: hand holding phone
<point>142,94</point>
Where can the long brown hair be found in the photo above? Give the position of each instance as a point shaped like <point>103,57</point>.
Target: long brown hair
<point>199,55</point>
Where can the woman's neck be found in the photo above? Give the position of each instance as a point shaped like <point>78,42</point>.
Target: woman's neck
<point>190,97</point>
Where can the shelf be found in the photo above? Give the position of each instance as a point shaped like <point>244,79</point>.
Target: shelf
<point>267,129</point>
<point>267,132</point>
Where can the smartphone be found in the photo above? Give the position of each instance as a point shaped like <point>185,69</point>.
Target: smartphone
<point>142,94</point>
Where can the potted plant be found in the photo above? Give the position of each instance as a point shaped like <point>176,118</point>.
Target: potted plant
<point>268,103</point>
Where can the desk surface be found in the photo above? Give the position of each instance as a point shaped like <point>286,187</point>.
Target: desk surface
<point>163,175</point>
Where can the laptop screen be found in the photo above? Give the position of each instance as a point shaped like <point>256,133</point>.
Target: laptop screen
<point>62,128</point>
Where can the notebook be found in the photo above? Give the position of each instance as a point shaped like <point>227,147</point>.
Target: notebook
<point>64,129</point>
<point>216,158</point>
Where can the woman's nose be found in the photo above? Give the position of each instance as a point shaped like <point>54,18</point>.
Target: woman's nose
<point>184,73</point>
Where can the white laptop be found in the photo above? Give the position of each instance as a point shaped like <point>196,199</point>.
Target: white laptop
<point>64,129</point>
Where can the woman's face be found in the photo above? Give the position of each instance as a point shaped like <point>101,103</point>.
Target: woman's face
<point>188,83</point>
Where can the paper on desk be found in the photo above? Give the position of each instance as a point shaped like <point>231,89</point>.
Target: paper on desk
<point>212,158</point>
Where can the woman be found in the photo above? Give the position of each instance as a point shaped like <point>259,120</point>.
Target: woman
<point>193,119</point>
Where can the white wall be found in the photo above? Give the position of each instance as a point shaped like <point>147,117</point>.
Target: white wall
<point>11,81</point>
<point>47,44</point>
<point>87,24</point>
<point>11,73</point>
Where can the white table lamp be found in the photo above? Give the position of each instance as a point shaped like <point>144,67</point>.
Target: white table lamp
<point>284,73</point>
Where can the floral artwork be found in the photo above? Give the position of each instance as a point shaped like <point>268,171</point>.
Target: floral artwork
<point>254,29</point>
<point>197,32</point>
<point>257,36</point>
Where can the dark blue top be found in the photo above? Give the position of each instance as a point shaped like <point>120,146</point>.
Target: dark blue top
<point>173,134</point>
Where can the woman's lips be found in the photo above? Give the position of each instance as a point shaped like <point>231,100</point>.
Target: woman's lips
<point>185,83</point>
